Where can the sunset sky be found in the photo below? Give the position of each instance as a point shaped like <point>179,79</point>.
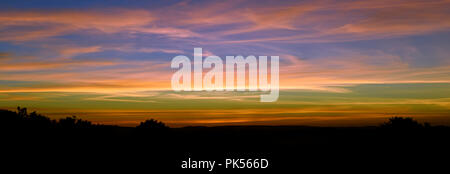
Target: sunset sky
<point>341,62</point>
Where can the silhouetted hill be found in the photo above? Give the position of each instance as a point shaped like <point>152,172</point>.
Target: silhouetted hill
<point>68,141</point>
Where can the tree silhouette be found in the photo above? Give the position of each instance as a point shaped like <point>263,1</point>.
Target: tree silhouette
<point>22,112</point>
<point>402,123</point>
<point>73,122</point>
<point>152,125</point>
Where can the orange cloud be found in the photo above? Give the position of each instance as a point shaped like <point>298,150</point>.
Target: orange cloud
<point>33,66</point>
<point>353,68</point>
<point>72,51</point>
<point>4,55</point>
<point>325,21</point>
<point>42,24</point>
<point>314,21</point>
<point>53,23</point>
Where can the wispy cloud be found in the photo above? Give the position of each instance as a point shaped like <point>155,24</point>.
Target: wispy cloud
<point>128,47</point>
<point>31,25</point>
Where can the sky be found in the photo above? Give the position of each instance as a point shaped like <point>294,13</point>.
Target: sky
<point>341,62</point>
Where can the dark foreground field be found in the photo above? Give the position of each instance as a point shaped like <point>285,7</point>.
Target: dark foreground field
<point>35,143</point>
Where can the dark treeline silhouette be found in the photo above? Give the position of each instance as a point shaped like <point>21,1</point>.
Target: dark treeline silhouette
<point>32,136</point>
<point>21,119</point>
<point>400,123</point>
